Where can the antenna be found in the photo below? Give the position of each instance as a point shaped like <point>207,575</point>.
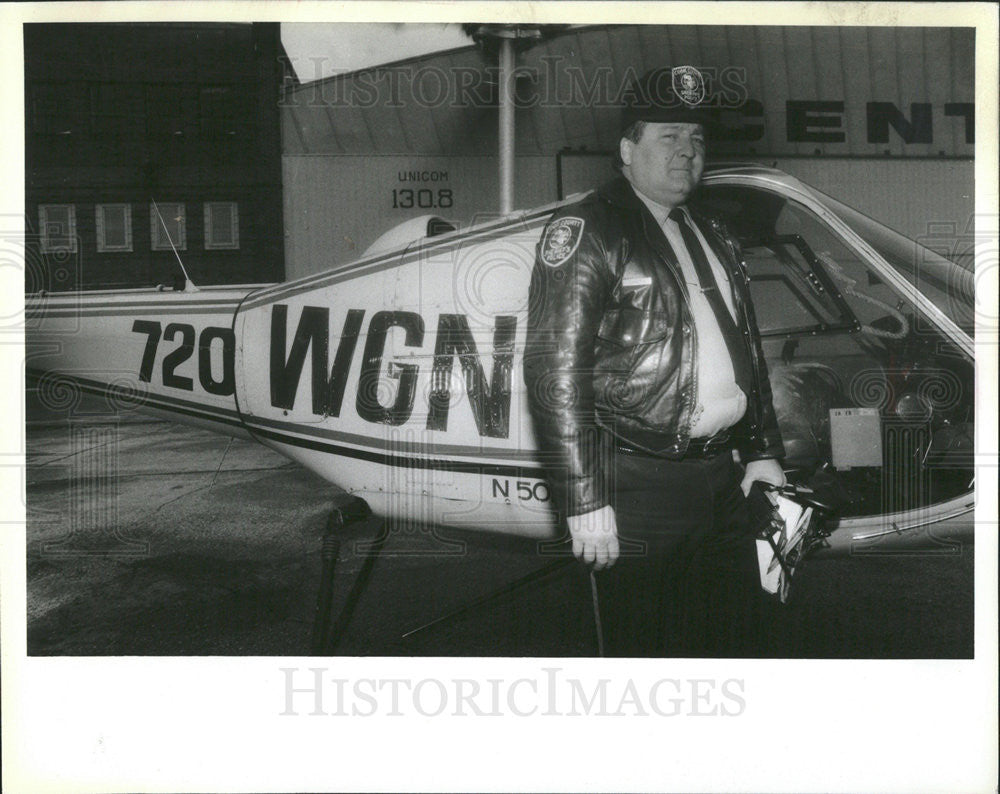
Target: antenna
<point>188,284</point>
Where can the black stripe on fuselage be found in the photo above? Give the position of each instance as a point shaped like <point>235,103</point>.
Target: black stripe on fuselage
<point>430,448</point>
<point>388,459</point>
<point>124,311</point>
<point>224,416</point>
<point>157,401</point>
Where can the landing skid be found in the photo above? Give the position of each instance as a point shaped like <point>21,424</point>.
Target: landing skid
<point>344,522</point>
<point>493,598</point>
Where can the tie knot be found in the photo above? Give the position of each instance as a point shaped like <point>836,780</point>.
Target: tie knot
<point>677,215</point>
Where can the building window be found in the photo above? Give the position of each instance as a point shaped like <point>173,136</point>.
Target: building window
<point>219,114</point>
<point>222,225</point>
<point>119,109</point>
<point>114,227</point>
<point>58,225</point>
<point>59,108</point>
<point>171,216</point>
<point>171,110</point>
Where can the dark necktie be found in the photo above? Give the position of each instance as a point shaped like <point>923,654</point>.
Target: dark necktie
<point>735,341</point>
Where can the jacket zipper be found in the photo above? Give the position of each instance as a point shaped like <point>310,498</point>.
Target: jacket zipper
<point>684,426</point>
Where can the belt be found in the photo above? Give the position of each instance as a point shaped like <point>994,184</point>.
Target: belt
<point>697,448</point>
<point>710,447</point>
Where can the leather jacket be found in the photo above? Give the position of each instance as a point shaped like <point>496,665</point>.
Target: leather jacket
<point>611,346</point>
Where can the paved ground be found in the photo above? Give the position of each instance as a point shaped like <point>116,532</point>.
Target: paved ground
<point>216,552</point>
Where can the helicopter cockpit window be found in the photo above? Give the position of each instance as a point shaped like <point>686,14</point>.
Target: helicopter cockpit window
<point>873,397</point>
<point>927,266</point>
<point>792,295</point>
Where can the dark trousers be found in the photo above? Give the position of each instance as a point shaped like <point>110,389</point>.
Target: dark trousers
<point>686,583</point>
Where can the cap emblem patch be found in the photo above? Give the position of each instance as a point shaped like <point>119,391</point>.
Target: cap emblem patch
<point>688,84</point>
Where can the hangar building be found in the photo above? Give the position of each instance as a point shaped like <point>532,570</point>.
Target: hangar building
<point>881,118</point>
<point>119,116</point>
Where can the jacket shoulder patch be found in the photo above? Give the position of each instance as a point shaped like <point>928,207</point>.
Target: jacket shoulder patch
<point>562,238</point>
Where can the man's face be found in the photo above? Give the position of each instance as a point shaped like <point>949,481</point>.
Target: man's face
<point>666,163</point>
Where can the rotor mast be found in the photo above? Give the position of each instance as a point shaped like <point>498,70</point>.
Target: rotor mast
<point>506,136</point>
<point>506,38</point>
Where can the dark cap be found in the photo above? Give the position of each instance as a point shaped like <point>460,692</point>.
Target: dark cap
<point>668,95</point>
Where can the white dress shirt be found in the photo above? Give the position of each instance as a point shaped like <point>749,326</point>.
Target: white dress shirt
<point>720,402</point>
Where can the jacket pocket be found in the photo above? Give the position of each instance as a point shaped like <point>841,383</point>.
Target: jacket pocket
<point>627,357</point>
<point>632,327</point>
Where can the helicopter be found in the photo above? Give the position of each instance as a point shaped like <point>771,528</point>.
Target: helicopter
<point>397,377</point>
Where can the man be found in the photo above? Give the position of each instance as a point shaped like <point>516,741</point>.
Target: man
<point>645,372</point>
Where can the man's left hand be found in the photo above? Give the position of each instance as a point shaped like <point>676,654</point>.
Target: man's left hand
<point>767,470</point>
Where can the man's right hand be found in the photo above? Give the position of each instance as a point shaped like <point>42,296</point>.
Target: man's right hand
<point>595,537</point>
